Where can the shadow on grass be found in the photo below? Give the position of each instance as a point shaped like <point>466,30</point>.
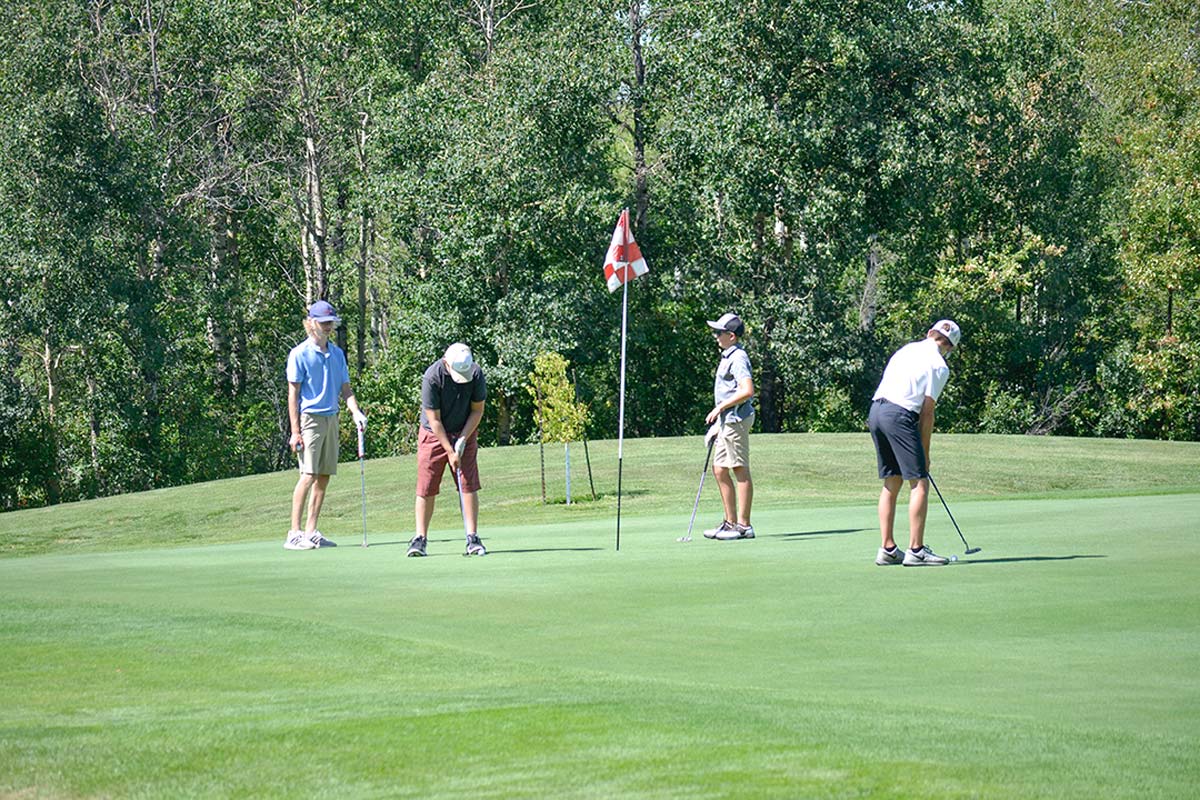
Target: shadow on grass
<point>459,540</point>
<point>799,534</point>
<point>428,541</point>
<point>1019,559</point>
<point>548,550</point>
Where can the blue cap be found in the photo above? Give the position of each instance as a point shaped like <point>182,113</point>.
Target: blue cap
<point>321,311</point>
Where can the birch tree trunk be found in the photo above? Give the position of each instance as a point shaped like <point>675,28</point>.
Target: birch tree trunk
<point>641,191</point>
<point>311,205</point>
<point>366,239</point>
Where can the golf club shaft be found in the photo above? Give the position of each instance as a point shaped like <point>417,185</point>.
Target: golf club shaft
<point>462,506</point>
<point>939,494</point>
<point>703,472</point>
<point>362,479</point>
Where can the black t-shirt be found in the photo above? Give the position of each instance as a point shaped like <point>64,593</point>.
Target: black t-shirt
<point>441,392</point>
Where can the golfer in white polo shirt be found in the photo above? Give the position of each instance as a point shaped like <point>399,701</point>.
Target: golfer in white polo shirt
<point>901,425</point>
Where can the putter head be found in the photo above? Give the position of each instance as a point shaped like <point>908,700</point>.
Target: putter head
<point>972,550</point>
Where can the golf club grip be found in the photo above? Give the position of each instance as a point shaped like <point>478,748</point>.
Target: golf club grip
<point>361,452</point>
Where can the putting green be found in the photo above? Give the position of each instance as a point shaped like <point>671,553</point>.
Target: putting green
<point>1059,662</point>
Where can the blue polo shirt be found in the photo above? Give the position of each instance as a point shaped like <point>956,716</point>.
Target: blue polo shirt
<point>320,375</point>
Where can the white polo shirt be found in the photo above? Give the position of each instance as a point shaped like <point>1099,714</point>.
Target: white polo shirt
<point>914,372</point>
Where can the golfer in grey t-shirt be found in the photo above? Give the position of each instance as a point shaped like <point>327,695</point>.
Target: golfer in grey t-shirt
<point>730,420</point>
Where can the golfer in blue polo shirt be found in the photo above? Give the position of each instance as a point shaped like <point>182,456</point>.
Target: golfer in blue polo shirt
<point>318,380</point>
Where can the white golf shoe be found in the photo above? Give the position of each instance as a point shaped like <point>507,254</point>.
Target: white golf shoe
<point>884,558</point>
<point>924,558</point>
<point>725,527</point>
<point>738,531</point>
<point>296,540</point>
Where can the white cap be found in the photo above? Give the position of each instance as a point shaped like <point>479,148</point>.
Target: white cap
<point>459,362</point>
<point>948,328</point>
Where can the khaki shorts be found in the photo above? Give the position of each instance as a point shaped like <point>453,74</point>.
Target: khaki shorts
<point>320,453</point>
<point>732,448</point>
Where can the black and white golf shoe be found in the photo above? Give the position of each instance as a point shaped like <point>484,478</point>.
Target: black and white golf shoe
<point>416,547</point>
<point>317,540</point>
<point>475,545</point>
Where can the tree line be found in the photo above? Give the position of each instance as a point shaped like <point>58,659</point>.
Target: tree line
<point>179,178</point>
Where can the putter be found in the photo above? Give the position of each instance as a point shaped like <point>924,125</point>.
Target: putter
<point>970,550</point>
<point>703,473</point>
<point>362,479</point>
<point>460,447</point>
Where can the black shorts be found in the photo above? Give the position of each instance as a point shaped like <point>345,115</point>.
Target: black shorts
<point>897,436</point>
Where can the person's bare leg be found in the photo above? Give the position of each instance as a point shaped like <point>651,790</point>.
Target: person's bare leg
<point>424,513</point>
<point>745,495</point>
<point>471,511</point>
<point>316,499</point>
<point>887,509</point>
<point>299,495</point>
<point>728,493</point>
<point>918,508</point>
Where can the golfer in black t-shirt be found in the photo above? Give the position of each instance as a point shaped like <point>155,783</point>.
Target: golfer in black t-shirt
<point>453,391</point>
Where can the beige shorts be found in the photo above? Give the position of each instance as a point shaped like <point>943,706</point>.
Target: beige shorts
<point>732,448</point>
<point>319,455</point>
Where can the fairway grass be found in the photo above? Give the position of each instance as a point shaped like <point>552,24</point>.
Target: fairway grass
<point>1059,662</point>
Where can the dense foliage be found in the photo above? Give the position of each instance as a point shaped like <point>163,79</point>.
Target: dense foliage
<point>179,178</point>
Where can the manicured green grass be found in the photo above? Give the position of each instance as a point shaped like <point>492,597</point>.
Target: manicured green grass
<point>793,471</point>
<point>1059,662</point>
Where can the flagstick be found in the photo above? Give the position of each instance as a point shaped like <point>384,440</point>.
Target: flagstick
<point>621,405</point>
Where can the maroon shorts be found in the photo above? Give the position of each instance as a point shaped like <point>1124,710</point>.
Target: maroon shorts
<point>431,464</point>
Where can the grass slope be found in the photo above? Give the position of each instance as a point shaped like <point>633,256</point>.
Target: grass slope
<point>660,477</point>
<point>1059,662</point>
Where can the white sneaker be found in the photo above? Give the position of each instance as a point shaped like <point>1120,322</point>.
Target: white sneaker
<point>726,525</point>
<point>296,540</point>
<point>738,531</point>
<point>884,558</point>
<point>924,558</point>
<point>317,540</point>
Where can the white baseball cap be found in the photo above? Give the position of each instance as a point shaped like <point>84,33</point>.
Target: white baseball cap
<point>459,361</point>
<point>948,328</point>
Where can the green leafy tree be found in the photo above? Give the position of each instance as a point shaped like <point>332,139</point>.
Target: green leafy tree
<point>560,417</point>
<point>563,419</point>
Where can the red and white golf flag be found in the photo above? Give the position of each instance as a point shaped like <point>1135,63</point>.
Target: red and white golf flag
<point>624,261</point>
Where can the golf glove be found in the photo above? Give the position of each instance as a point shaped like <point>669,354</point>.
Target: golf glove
<point>360,420</point>
<point>713,430</point>
<point>460,446</point>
